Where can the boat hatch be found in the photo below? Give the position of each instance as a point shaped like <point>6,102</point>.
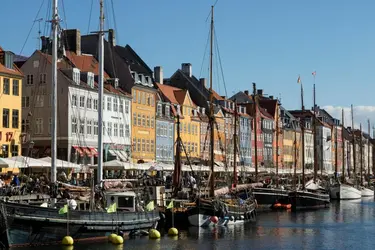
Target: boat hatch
<point>125,200</point>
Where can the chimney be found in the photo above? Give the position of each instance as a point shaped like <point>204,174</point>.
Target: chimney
<point>271,97</point>
<point>246,92</point>
<point>260,92</point>
<point>187,69</point>
<point>111,37</point>
<point>203,82</point>
<point>72,41</point>
<point>158,73</point>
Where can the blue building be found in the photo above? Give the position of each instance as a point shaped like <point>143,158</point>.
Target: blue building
<point>164,132</point>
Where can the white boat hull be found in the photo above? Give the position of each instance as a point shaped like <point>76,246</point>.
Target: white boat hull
<point>344,192</point>
<point>366,192</point>
<point>201,220</point>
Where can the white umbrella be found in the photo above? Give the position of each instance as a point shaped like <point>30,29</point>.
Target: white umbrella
<point>30,162</point>
<point>61,163</point>
<point>9,163</point>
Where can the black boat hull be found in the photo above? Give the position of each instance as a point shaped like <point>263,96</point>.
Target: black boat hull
<point>308,200</point>
<point>270,196</point>
<point>24,225</point>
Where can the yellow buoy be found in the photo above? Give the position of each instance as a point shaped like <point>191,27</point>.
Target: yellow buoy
<point>67,241</point>
<point>154,234</point>
<point>111,237</point>
<point>118,240</point>
<point>173,231</point>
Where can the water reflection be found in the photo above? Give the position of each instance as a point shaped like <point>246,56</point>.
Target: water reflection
<point>345,225</point>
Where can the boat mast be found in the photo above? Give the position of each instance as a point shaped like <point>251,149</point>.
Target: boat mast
<point>295,159</point>
<point>177,168</point>
<point>255,106</point>
<point>277,147</point>
<point>212,118</point>
<point>336,157</point>
<point>100,95</point>
<point>354,152</point>
<point>361,152</point>
<point>315,142</point>
<point>343,146</point>
<point>303,138</point>
<point>368,148</point>
<point>55,23</point>
<point>235,146</point>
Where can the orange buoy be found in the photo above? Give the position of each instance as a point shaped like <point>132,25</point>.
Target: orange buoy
<point>289,206</point>
<point>277,205</point>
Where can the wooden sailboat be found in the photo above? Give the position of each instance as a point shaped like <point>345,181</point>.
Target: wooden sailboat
<point>25,224</point>
<point>267,197</point>
<point>224,209</point>
<point>339,190</point>
<point>307,198</point>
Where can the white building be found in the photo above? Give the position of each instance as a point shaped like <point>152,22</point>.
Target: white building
<point>324,147</point>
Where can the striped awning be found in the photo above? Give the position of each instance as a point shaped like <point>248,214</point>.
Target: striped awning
<point>94,152</point>
<point>79,150</point>
<point>87,151</point>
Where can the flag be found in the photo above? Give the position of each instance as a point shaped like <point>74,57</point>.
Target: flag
<point>64,209</point>
<point>170,205</point>
<point>150,206</point>
<point>299,79</point>
<point>112,208</point>
<point>314,73</point>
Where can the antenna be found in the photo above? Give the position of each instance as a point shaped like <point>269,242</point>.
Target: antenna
<point>39,32</point>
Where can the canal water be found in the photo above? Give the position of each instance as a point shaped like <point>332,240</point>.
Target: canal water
<point>344,225</point>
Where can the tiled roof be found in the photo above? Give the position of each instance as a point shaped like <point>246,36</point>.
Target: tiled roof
<point>85,62</point>
<point>173,94</point>
<point>13,72</point>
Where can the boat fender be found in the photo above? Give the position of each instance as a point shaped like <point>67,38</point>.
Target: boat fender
<point>154,234</point>
<point>214,219</point>
<point>111,237</point>
<point>173,231</point>
<point>242,217</point>
<point>67,241</point>
<point>118,240</point>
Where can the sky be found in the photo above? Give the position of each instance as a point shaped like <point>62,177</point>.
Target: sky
<point>269,42</point>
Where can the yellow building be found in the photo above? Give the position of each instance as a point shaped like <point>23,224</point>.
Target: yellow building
<point>143,124</point>
<point>10,104</point>
<point>189,120</point>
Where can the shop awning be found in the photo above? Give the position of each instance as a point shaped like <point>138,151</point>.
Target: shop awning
<point>87,151</point>
<point>112,152</point>
<point>94,152</point>
<point>120,155</point>
<point>78,150</point>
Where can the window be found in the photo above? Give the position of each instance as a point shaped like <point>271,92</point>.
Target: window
<point>127,130</point>
<point>139,120</point>
<point>39,101</point>
<point>143,97</point>
<point>148,121</point>
<point>14,150</point>
<point>25,101</point>
<point>135,119</point>
<point>6,86</point>
<point>143,145</point>
<point>76,76</point>
<point>147,99</point>
<point>126,107</point>
<point>167,110</point>
<point>74,100</point>
<point>152,145</point>
<point>152,100</point>
<point>148,145</point>
<point>103,103</point>
<point>134,144</point>
<point>134,95</point>
<point>89,103</point>
<point>39,126</point>
<point>139,145</point>
<point>170,130</point>
<point>115,104</point>
<point>121,130</point>
<point>25,126</point>
<point>5,118</point>
<point>121,106</point>
<point>95,104</point>
<point>152,122</point>
<point>115,129</point>
<point>74,125</point>
<point>42,78</point>
<point>188,128</point>
<point>89,127</point>
<point>139,97</point>
<point>109,103</point>
<point>82,126</point>
<point>82,101</point>
<point>16,88</point>
<point>96,128</point>
<point>30,80</point>
<point>109,129</point>
<point>159,110</point>
<point>50,125</point>
<point>143,120</point>
<point>15,118</point>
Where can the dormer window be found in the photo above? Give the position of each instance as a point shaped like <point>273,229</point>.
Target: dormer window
<point>167,110</point>
<point>159,110</point>
<point>76,76</point>
<point>140,78</point>
<point>114,82</point>
<point>7,59</point>
<point>90,79</point>
<point>133,75</point>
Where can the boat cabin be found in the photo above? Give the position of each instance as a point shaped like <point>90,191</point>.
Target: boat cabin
<point>125,200</point>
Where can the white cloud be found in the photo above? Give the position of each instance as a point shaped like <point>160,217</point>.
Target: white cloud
<point>361,115</point>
